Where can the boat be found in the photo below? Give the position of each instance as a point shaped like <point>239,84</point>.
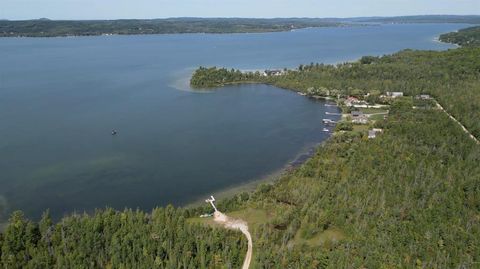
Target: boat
<point>325,130</point>
<point>327,121</point>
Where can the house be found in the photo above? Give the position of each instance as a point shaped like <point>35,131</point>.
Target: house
<point>267,73</point>
<point>423,97</point>
<point>394,94</point>
<point>356,114</point>
<point>351,101</point>
<point>373,133</point>
<point>359,118</point>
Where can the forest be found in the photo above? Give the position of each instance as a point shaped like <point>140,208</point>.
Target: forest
<point>53,28</point>
<point>410,198</point>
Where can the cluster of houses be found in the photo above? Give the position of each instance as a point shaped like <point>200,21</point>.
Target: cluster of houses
<point>359,117</point>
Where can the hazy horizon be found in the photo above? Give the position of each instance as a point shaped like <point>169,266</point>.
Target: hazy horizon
<point>161,9</point>
<point>219,17</point>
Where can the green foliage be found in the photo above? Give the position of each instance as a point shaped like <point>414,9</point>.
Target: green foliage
<point>464,37</point>
<point>344,126</point>
<point>214,77</point>
<point>112,239</point>
<point>407,195</point>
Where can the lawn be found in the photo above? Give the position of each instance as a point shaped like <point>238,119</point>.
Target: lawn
<point>360,127</point>
<point>373,110</point>
<point>323,239</point>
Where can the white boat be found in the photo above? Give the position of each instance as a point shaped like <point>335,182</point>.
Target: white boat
<point>325,130</point>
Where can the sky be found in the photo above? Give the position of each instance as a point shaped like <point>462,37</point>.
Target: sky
<point>139,9</point>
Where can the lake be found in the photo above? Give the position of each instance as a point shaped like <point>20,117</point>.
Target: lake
<point>60,99</point>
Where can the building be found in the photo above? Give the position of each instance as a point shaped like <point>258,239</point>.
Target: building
<point>423,97</point>
<point>356,114</point>
<point>359,118</point>
<point>394,94</point>
<point>373,133</point>
<point>350,101</point>
<point>267,73</point>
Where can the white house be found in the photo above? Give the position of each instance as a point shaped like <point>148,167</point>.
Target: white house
<point>394,94</point>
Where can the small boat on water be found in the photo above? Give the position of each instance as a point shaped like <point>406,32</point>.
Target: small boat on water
<point>325,130</point>
<point>114,132</point>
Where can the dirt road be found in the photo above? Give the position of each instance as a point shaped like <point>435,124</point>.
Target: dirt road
<point>235,224</point>
<point>459,123</point>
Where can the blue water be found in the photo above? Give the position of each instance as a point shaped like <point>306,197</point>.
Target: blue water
<point>61,97</point>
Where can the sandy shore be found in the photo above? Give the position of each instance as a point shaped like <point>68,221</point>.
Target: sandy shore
<point>234,190</point>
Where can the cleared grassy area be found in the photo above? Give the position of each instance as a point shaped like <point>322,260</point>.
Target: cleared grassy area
<point>252,216</point>
<point>376,117</point>
<point>373,110</point>
<point>326,238</point>
<point>360,128</point>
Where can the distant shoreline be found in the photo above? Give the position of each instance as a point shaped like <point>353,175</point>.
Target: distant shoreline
<point>79,28</point>
<point>39,28</point>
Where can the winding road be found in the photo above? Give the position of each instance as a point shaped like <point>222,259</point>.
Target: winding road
<point>236,224</point>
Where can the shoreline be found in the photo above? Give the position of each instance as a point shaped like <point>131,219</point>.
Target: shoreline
<point>301,158</point>
<point>266,31</point>
<point>231,191</point>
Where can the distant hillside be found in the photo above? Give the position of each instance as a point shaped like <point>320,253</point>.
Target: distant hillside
<point>465,37</point>
<point>50,28</point>
<point>473,19</point>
